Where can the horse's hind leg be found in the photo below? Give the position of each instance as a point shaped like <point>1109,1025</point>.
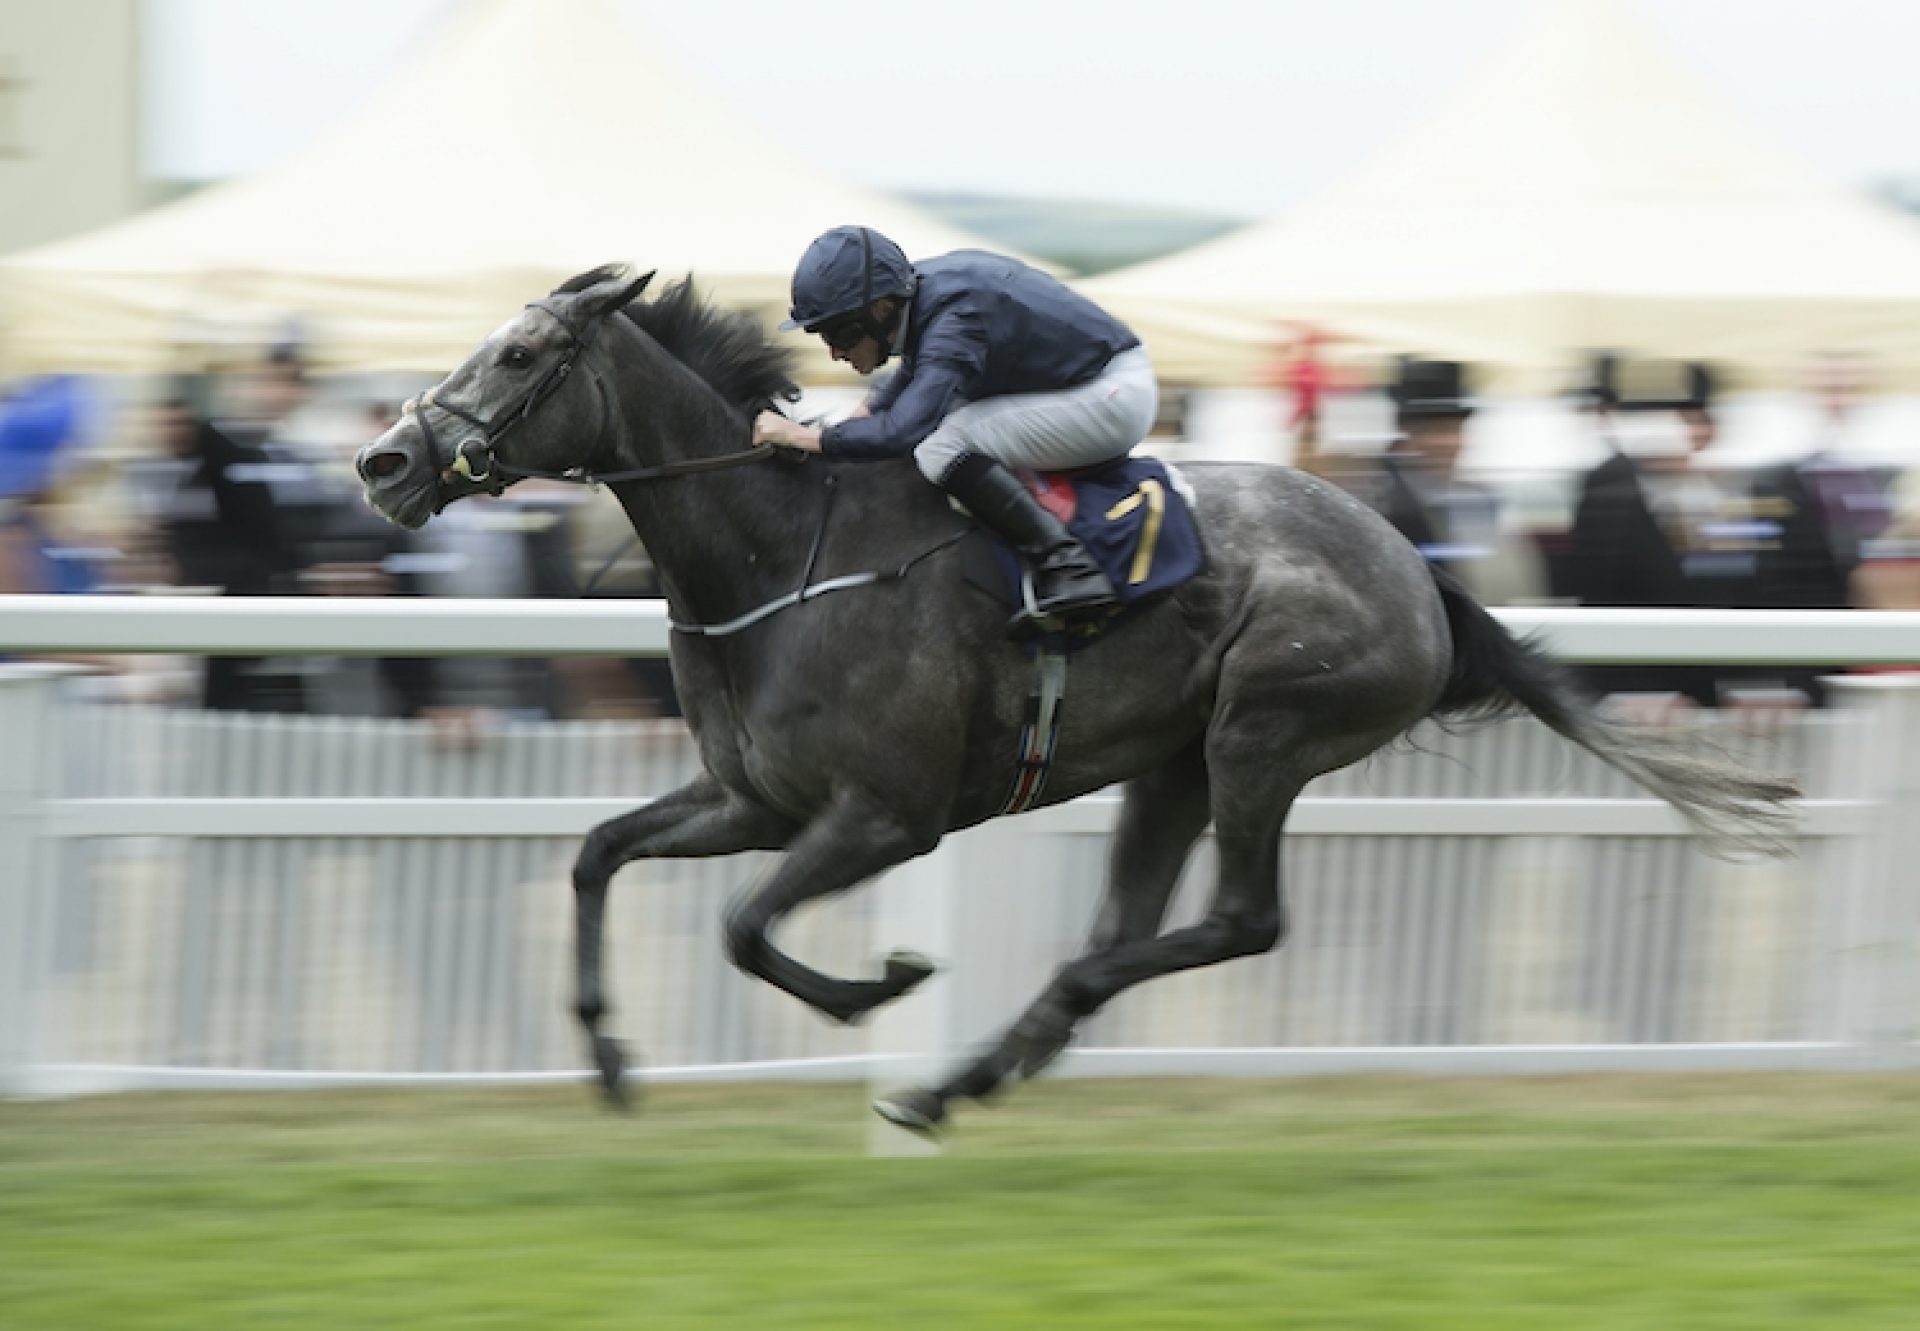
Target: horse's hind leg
<point>701,818</point>
<point>1163,814</point>
<point>1246,917</point>
<point>851,842</point>
<point>1255,775</point>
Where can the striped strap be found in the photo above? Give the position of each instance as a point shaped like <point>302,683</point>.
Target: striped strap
<point>1040,732</point>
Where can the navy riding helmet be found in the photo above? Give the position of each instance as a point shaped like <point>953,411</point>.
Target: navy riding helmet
<point>842,273</point>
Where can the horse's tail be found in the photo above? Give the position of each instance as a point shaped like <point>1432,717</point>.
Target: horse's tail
<point>1494,672</point>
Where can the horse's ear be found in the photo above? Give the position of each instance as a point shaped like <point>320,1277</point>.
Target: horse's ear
<point>635,286</point>
<point>612,293</point>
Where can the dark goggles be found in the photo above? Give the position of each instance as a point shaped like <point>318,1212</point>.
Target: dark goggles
<point>843,334</point>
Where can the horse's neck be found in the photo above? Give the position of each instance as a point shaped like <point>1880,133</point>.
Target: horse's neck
<point>723,542</point>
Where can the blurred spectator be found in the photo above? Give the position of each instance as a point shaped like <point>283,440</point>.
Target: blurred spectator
<point>1455,524</point>
<point>1825,508</point>
<point>223,533</point>
<point>309,492</point>
<point>511,546</point>
<point>1641,512</point>
<point>1821,513</point>
<point>37,425</point>
<point>1300,373</point>
<point>1430,414</point>
<point>352,551</point>
<point>1888,575</point>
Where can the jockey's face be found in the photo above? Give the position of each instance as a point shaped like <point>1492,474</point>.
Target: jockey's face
<point>863,356</point>
<point>849,340</point>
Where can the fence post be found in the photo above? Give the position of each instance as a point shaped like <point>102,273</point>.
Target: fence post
<point>27,695</point>
<point>1873,931</point>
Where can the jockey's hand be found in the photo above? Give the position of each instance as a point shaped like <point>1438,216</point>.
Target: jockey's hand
<point>770,427</point>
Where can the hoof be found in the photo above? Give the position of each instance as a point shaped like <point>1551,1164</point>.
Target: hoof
<point>611,1062</point>
<point>904,972</point>
<point>907,971</point>
<point>915,1110</point>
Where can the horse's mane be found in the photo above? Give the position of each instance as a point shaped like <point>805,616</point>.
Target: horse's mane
<point>726,348</point>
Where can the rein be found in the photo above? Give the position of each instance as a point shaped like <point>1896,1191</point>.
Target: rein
<point>666,471</point>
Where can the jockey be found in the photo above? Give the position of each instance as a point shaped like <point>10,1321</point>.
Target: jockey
<point>1001,366</point>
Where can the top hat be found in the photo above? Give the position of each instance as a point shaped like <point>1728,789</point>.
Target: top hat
<point>1622,383</point>
<point>1430,390</point>
<point>1663,385</point>
<point>1593,389</point>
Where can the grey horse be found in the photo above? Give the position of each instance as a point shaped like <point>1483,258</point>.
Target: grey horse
<point>854,730</point>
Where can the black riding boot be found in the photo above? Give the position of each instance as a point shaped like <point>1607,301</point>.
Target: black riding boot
<point>1066,581</point>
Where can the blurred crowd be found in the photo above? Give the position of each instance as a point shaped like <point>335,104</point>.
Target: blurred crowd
<point>240,483</point>
<point>1658,521</point>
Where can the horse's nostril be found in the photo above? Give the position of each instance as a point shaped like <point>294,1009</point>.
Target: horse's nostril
<point>383,465</point>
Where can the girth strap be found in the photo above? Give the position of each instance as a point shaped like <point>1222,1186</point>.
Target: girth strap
<point>1040,732</point>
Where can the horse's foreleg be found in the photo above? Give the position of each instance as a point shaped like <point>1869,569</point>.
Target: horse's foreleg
<point>701,818</point>
<point>851,842</point>
<point>1163,814</point>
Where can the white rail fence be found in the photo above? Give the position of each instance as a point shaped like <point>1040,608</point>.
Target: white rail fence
<point>193,899</point>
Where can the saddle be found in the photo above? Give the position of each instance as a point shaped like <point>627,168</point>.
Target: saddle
<point>1133,518</point>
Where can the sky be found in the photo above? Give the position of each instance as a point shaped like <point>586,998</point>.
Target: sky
<point>1238,107</point>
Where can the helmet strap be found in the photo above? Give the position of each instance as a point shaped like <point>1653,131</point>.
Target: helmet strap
<point>883,331</point>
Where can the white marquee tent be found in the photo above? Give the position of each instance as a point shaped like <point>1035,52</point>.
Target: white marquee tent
<point>528,141</point>
<point>1580,191</point>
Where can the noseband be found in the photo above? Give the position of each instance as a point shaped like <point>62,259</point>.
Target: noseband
<point>475,457</point>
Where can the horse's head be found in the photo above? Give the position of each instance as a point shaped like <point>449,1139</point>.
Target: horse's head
<point>519,389</point>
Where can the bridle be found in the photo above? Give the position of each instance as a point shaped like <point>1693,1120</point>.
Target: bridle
<point>476,459</point>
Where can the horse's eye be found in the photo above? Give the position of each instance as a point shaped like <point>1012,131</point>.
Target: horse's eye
<point>516,357</point>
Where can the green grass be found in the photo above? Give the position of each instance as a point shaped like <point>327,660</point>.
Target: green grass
<point>1569,1203</point>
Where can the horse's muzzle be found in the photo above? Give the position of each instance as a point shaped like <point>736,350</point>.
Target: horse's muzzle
<point>378,464</point>
<point>397,485</point>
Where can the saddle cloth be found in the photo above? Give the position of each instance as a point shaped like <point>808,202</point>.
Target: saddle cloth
<point>1133,519</point>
